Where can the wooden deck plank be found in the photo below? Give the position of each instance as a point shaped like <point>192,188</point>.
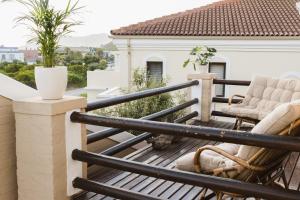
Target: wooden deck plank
<point>166,158</point>
<point>162,161</point>
<point>142,183</point>
<point>169,163</point>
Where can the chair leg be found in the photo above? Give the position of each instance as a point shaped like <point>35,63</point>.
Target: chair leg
<point>220,196</point>
<point>202,194</point>
<point>239,124</point>
<point>236,124</point>
<point>210,196</point>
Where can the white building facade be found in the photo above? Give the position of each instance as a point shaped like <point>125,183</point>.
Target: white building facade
<point>236,58</point>
<point>10,54</point>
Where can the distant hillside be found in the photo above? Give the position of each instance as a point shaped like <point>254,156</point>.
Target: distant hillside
<point>96,40</point>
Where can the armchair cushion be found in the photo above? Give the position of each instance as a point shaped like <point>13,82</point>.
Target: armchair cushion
<point>272,124</point>
<point>209,160</point>
<point>264,95</point>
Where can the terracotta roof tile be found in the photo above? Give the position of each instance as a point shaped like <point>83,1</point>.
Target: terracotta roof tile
<point>225,18</point>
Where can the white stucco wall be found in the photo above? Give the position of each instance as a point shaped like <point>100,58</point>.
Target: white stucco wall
<point>244,58</point>
<point>103,79</point>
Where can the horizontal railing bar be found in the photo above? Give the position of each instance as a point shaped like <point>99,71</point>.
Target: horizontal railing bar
<point>99,188</point>
<point>201,180</point>
<point>214,134</point>
<point>222,114</point>
<point>137,95</point>
<point>231,82</point>
<point>225,100</point>
<point>144,136</point>
<point>93,137</point>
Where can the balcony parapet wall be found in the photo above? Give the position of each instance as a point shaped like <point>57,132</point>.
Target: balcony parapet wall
<point>44,138</point>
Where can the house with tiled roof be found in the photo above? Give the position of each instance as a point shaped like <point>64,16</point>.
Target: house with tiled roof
<point>251,36</point>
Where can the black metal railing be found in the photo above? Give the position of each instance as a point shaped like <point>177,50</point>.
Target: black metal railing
<point>198,132</point>
<point>228,82</point>
<point>231,82</point>
<point>93,137</point>
<point>217,183</point>
<point>175,129</point>
<point>138,95</point>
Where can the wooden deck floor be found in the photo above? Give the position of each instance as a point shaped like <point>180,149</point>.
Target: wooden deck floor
<point>149,185</point>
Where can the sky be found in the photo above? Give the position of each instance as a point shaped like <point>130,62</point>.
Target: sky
<point>98,16</point>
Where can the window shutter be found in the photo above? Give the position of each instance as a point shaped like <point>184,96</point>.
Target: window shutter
<point>155,70</point>
<point>219,70</point>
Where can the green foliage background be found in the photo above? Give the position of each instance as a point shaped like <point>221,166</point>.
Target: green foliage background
<point>146,106</point>
<point>77,64</point>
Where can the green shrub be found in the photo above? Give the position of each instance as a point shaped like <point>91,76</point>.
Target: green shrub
<point>88,59</point>
<point>146,106</point>
<point>85,95</point>
<point>78,69</point>
<point>12,68</point>
<point>103,64</point>
<point>93,66</point>
<point>26,77</point>
<point>75,80</point>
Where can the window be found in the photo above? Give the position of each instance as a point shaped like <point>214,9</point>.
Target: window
<point>220,70</point>
<point>11,57</point>
<point>155,71</point>
<point>3,58</point>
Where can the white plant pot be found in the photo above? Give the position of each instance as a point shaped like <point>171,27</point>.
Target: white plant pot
<point>203,69</point>
<point>51,82</point>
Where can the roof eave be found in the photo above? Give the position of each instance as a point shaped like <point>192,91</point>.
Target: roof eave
<point>204,37</point>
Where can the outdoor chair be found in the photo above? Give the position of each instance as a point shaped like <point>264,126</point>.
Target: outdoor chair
<point>248,163</point>
<point>263,95</point>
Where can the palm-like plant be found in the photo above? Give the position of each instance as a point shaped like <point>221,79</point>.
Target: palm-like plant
<point>48,25</point>
<point>200,55</point>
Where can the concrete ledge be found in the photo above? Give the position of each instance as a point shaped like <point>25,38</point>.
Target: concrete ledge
<point>37,106</point>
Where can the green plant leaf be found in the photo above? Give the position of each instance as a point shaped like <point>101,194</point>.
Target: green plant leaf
<point>185,64</point>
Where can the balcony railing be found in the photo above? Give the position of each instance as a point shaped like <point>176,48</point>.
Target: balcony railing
<point>149,127</point>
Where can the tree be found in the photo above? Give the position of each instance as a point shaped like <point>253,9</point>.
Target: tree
<point>88,59</point>
<point>103,64</point>
<point>99,53</point>
<point>73,58</point>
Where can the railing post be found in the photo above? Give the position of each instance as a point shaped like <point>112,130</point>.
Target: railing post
<point>45,138</point>
<point>204,92</point>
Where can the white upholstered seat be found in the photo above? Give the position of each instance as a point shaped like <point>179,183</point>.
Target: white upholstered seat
<point>280,118</point>
<point>264,95</point>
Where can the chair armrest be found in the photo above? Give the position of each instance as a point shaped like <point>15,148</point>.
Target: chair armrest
<point>236,95</point>
<point>236,159</point>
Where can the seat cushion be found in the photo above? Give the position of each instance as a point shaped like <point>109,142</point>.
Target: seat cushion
<point>208,159</point>
<point>263,95</point>
<point>273,124</point>
<point>237,110</point>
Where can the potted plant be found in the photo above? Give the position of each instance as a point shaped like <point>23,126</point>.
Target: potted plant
<point>48,25</point>
<point>200,57</point>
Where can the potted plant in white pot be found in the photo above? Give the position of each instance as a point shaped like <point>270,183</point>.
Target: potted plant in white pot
<point>48,25</point>
<point>200,57</point>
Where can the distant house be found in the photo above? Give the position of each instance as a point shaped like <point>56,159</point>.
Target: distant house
<point>10,54</point>
<point>251,36</point>
<point>31,56</point>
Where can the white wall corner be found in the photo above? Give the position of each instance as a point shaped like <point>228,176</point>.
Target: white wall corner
<point>15,90</point>
<point>73,141</point>
<point>196,93</point>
